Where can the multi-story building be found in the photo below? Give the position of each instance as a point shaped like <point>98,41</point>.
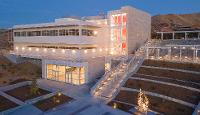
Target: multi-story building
<point>77,51</point>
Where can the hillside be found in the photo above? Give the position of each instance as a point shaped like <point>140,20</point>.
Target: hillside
<point>171,22</point>
<point>11,72</point>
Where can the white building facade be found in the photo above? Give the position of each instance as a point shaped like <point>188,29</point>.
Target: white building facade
<point>77,51</point>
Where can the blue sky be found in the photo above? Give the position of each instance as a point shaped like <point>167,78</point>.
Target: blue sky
<point>35,11</point>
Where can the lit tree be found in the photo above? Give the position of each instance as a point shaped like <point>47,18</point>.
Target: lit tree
<point>143,102</point>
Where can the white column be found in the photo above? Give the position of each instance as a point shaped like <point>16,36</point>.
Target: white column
<point>194,54</point>
<point>173,35</point>
<point>158,53</point>
<point>147,52</point>
<point>185,35</point>
<point>169,53</point>
<point>180,55</point>
<point>161,35</point>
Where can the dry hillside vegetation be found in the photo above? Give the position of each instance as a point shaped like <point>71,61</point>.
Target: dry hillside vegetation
<point>11,73</point>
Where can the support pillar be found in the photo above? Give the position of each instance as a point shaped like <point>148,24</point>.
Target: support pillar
<point>162,36</point>
<point>170,53</point>
<point>147,52</point>
<point>158,53</point>
<point>185,35</point>
<point>194,55</point>
<point>173,35</point>
<point>180,55</point>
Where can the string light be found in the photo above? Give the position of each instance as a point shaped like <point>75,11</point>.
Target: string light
<point>143,102</point>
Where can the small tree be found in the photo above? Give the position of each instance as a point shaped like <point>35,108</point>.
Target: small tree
<point>34,88</point>
<point>143,102</point>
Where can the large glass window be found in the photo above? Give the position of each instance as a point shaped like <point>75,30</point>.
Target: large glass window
<point>68,74</point>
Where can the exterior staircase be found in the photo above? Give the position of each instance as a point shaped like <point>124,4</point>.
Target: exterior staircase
<point>109,85</point>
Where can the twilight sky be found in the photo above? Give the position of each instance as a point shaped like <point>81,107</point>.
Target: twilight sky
<point>14,12</point>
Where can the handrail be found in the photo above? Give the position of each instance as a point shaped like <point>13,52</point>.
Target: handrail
<point>104,77</point>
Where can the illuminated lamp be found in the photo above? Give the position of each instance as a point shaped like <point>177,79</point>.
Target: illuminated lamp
<point>37,49</point>
<point>16,48</point>
<point>95,32</point>
<point>106,49</point>
<point>183,47</point>
<point>100,50</point>
<point>85,51</point>
<point>29,49</point>
<point>63,51</point>
<point>93,50</point>
<point>73,51</point>
<point>45,50</point>
<point>23,48</point>
<point>53,50</point>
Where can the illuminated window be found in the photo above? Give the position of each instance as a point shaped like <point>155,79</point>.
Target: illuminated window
<point>72,75</point>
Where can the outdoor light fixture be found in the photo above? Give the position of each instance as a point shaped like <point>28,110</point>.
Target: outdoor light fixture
<point>53,50</point>
<point>85,51</point>
<point>23,48</point>
<point>95,32</point>
<point>45,49</point>
<point>37,49</point>
<point>73,51</point>
<point>106,49</point>
<point>100,50</point>
<point>16,48</point>
<point>93,50</point>
<point>63,51</point>
<point>29,49</point>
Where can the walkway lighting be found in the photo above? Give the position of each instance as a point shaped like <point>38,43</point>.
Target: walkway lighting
<point>63,51</point>
<point>100,50</point>
<point>95,32</point>
<point>93,50</point>
<point>16,48</point>
<point>73,51</point>
<point>85,51</point>
<point>45,50</point>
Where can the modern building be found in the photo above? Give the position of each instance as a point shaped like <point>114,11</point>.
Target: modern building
<point>77,51</point>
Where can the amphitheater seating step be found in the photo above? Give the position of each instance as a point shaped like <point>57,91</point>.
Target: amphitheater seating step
<point>192,77</point>
<point>174,65</point>
<point>169,80</point>
<point>171,91</point>
<point>157,104</point>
